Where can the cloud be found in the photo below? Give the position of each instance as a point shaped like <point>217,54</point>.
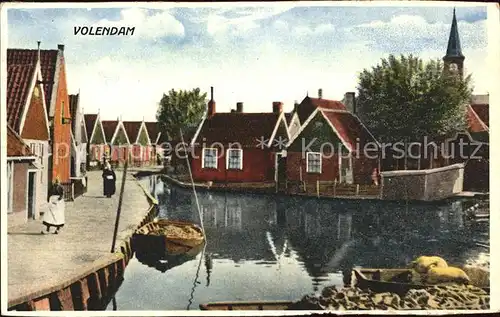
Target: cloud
<point>249,54</point>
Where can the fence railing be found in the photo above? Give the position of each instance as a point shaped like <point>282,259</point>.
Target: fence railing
<point>332,189</point>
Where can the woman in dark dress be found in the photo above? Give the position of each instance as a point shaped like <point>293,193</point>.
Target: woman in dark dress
<point>109,180</point>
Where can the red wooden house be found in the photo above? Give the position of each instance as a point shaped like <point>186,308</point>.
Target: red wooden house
<point>141,147</point>
<point>117,141</point>
<point>53,71</point>
<point>330,145</point>
<point>27,125</point>
<point>238,146</point>
<point>96,146</point>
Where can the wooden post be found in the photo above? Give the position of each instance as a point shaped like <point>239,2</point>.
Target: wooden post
<point>334,187</point>
<point>317,188</point>
<point>305,186</point>
<point>120,201</point>
<point>357,189</point>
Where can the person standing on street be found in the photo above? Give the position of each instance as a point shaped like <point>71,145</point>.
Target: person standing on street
<point>109,180</point>
<point>54,217</point>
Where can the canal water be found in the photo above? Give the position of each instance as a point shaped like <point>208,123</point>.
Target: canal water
<point>264,247</point>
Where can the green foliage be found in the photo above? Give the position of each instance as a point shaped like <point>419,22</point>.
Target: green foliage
<point>98,136</point>
<point>143,138</point>
<point>180,109</point>
<point>405,99</point>
<point>120,137</point>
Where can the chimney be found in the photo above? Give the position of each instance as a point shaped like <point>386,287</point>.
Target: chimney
<point>60,47</point>
<point>211,104</point>
<point>277,107</point>
<point>350,101</point>
<point>38,52</point>
<point>320,93</point>
<point>239,107</point>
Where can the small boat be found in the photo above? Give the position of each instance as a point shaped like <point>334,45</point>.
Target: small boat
<point>173,236</point>
<point>164,261</point>
<point>258,305</point>
<point>400,281</point>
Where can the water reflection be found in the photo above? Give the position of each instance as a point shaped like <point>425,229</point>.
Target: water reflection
<point>327,235</point>
<point>263,247</point>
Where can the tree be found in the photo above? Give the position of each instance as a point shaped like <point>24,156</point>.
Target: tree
<point>179,110</point>
<point>404,99</point>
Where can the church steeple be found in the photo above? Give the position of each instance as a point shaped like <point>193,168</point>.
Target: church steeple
<point>454,59</point>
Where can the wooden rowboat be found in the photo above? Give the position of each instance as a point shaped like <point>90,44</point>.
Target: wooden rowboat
<point>168,259</point>
<point>258,305</point>
<point>400,281</point>
<point>146,239</point>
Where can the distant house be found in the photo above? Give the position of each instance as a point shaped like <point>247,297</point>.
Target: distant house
<point>141,143</point>
<point>28,124</point>
<point>238,146</point>
<point>117,140</point>
<point>21,180</point>
<point>97,146</point>
<point>53,69</point>
<point>158,142</point>
<point>313,153</point>
<point>79,138</point>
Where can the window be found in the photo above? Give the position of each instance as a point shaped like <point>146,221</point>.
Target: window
<point>42,151</point>
<point>209,159</point>
<point>32,148</point>
<point>235,159</point>
<point>313,162</point>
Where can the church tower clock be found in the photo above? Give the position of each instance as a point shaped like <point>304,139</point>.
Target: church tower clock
<point>454,59</point>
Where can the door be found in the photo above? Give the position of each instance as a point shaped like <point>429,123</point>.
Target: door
<point>31,195</point>
<point>280,168</point>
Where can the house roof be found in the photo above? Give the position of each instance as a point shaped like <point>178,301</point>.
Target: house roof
<point>15,145</point>
<point>153,130</point>
<point>243,128</point>
<point>474,121</point>
<point>48,62</point>
<point>349,128</point>
<point>288,117</point>
<point>132,128</point>
<point>90,121</point>
<point>19,79</point>
<point>109,128</point>
<point>309,104</point>
<point>482,111</point>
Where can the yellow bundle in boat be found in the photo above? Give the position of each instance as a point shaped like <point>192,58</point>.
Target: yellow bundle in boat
<point>423,263</point>
<point>449,274</point>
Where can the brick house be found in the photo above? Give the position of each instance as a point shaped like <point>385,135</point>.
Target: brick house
<point>141,144</point>
<point>96,148</point>
<point>53,69</point>
<point>238,146</point>
<point>313,152</point>
<point>78,138</point>
<point>28,124</point>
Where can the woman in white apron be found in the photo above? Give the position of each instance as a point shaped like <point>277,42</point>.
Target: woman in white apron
<point>54,217</point>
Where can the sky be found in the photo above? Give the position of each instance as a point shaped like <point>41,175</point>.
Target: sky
<point>255,54</point>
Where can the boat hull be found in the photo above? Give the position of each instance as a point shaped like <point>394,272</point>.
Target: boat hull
<point>257,305</point>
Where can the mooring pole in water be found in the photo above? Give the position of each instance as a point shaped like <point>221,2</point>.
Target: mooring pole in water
<point>120,200</point>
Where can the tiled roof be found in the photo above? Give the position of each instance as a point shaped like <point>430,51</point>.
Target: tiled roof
<point>73,108</point>
<point>153,131</point>
<point>288,117</point>
<point>90,120</point>
<point>474,122</point>
<point>308,105</point>
<point>19,78</point>
<point>243,128</point>
<point>48,61</point>
<point>15,145</point>
<point>109,128</point>
<point>483,112</point>
<point>132,128</point>
<point>349,128</point>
